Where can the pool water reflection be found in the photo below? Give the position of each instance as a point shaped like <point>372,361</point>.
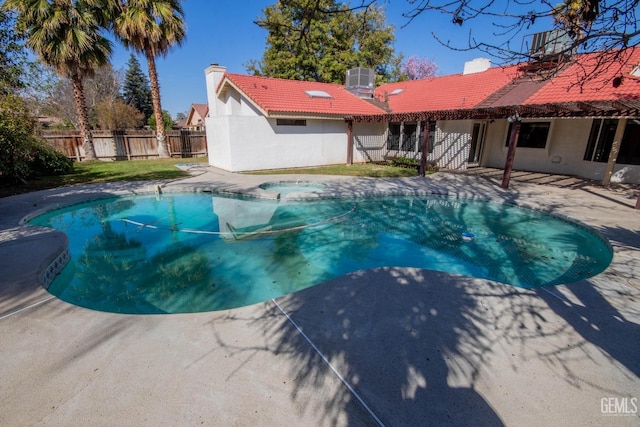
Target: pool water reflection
<point>195,252</point>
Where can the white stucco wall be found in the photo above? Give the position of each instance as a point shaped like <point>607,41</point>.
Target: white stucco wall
<point>532,159</point>
<point>451,144</point>
<point>370,141</point>
<point>563,153</point>
<point>244,143</point>
<point>213,76</point>
<point>241,138</point>
<point>626,173</point>
<point>218,142</point>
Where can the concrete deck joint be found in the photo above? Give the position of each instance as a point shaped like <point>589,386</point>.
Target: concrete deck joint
<point>330,365</point>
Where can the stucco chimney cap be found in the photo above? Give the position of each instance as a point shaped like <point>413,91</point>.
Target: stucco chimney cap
<point>215,68</point>
<point>477,65</point>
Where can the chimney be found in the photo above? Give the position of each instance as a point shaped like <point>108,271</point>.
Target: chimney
<point>477,65</point>
<point>213,75</point>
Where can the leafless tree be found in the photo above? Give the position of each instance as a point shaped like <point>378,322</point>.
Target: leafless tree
<point>103,87</point>
<point>575,26</point>
<point>608,26</point>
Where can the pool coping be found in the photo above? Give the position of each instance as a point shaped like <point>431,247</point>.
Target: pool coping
<point>59,260</point>
<point>30,305</point>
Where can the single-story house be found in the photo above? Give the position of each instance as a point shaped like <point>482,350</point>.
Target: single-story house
<point>265,123</point>
<point>196,118</point>
<point>562,122</point>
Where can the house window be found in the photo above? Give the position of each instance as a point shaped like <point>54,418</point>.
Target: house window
<point>629,153</point>
<point>393,137</point>
<point>409,137</point>
<point>432,136</point>
<point>532,134</point>
<point>291,122</point>
<point>600,140</point>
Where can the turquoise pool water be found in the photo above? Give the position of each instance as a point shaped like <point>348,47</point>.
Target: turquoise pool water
<point>178,253</point>
<point>285,188</point>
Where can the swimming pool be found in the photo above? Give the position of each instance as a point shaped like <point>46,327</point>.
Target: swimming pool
<point>193,252</point>
<point>284,188</point>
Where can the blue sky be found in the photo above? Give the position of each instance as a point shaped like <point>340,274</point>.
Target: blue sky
<point>223,32</point>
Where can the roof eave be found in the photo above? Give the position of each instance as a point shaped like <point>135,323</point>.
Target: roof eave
<point>228,82</point>
<point>304,115</point>
<point>574,109</point>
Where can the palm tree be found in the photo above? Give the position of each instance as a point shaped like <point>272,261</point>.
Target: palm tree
<point>66,35</point>
<point>152,27</point>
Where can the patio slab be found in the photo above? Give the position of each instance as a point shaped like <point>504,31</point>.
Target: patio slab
<point>390,346</point>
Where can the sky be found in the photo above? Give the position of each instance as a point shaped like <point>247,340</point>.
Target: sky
<point>224,32</point>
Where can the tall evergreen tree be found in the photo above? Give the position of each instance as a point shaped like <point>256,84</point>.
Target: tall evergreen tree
<point>307,43</point>
<point>136,90</point>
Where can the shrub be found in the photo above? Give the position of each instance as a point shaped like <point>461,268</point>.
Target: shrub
<point>403,162</point>
<point>44,160</point>
<point>22,155</point>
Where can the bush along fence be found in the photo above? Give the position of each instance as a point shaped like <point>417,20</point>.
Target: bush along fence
<point>128,144</point>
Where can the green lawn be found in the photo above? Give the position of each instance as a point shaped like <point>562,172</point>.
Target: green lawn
<point>144,170</point>
<point>99,172</point>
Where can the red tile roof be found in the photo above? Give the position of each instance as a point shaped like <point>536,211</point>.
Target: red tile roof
<point>495,87</point>
<point>201,109</point>
<point>280,96</point>
<point>563,88</point>
<point>456,91</point>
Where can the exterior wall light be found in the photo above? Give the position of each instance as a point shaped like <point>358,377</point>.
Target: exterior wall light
<point>515,118</point>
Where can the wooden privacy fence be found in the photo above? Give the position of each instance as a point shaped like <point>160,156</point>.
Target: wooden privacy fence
<point>128,144</point>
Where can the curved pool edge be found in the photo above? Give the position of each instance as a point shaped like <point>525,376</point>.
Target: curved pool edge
<point>47,200</point>
<point>386,194</point>
<point>257,192</point>
<point>30,258</point>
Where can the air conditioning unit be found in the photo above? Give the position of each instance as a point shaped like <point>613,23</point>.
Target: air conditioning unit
<point>361,81</point>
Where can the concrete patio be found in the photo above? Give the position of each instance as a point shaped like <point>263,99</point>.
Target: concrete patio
<point>391,346</point>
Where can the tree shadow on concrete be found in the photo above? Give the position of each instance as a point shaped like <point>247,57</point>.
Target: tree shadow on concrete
<point>409,347</point>
<point>590,313</point>
<point>413,343</point>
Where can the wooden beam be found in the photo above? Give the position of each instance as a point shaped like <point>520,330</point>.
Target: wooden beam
<point>349,142</point>
<point>613,154</point>
<point>511,153</point>
<point>533,110</point>
<point>425,148</point>
<point>585,107</point>
<point>620,106</point>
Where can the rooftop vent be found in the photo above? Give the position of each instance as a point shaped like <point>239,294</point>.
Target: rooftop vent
<point>547,50</point>
<point>361,82</point>
<point>549,43</point>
